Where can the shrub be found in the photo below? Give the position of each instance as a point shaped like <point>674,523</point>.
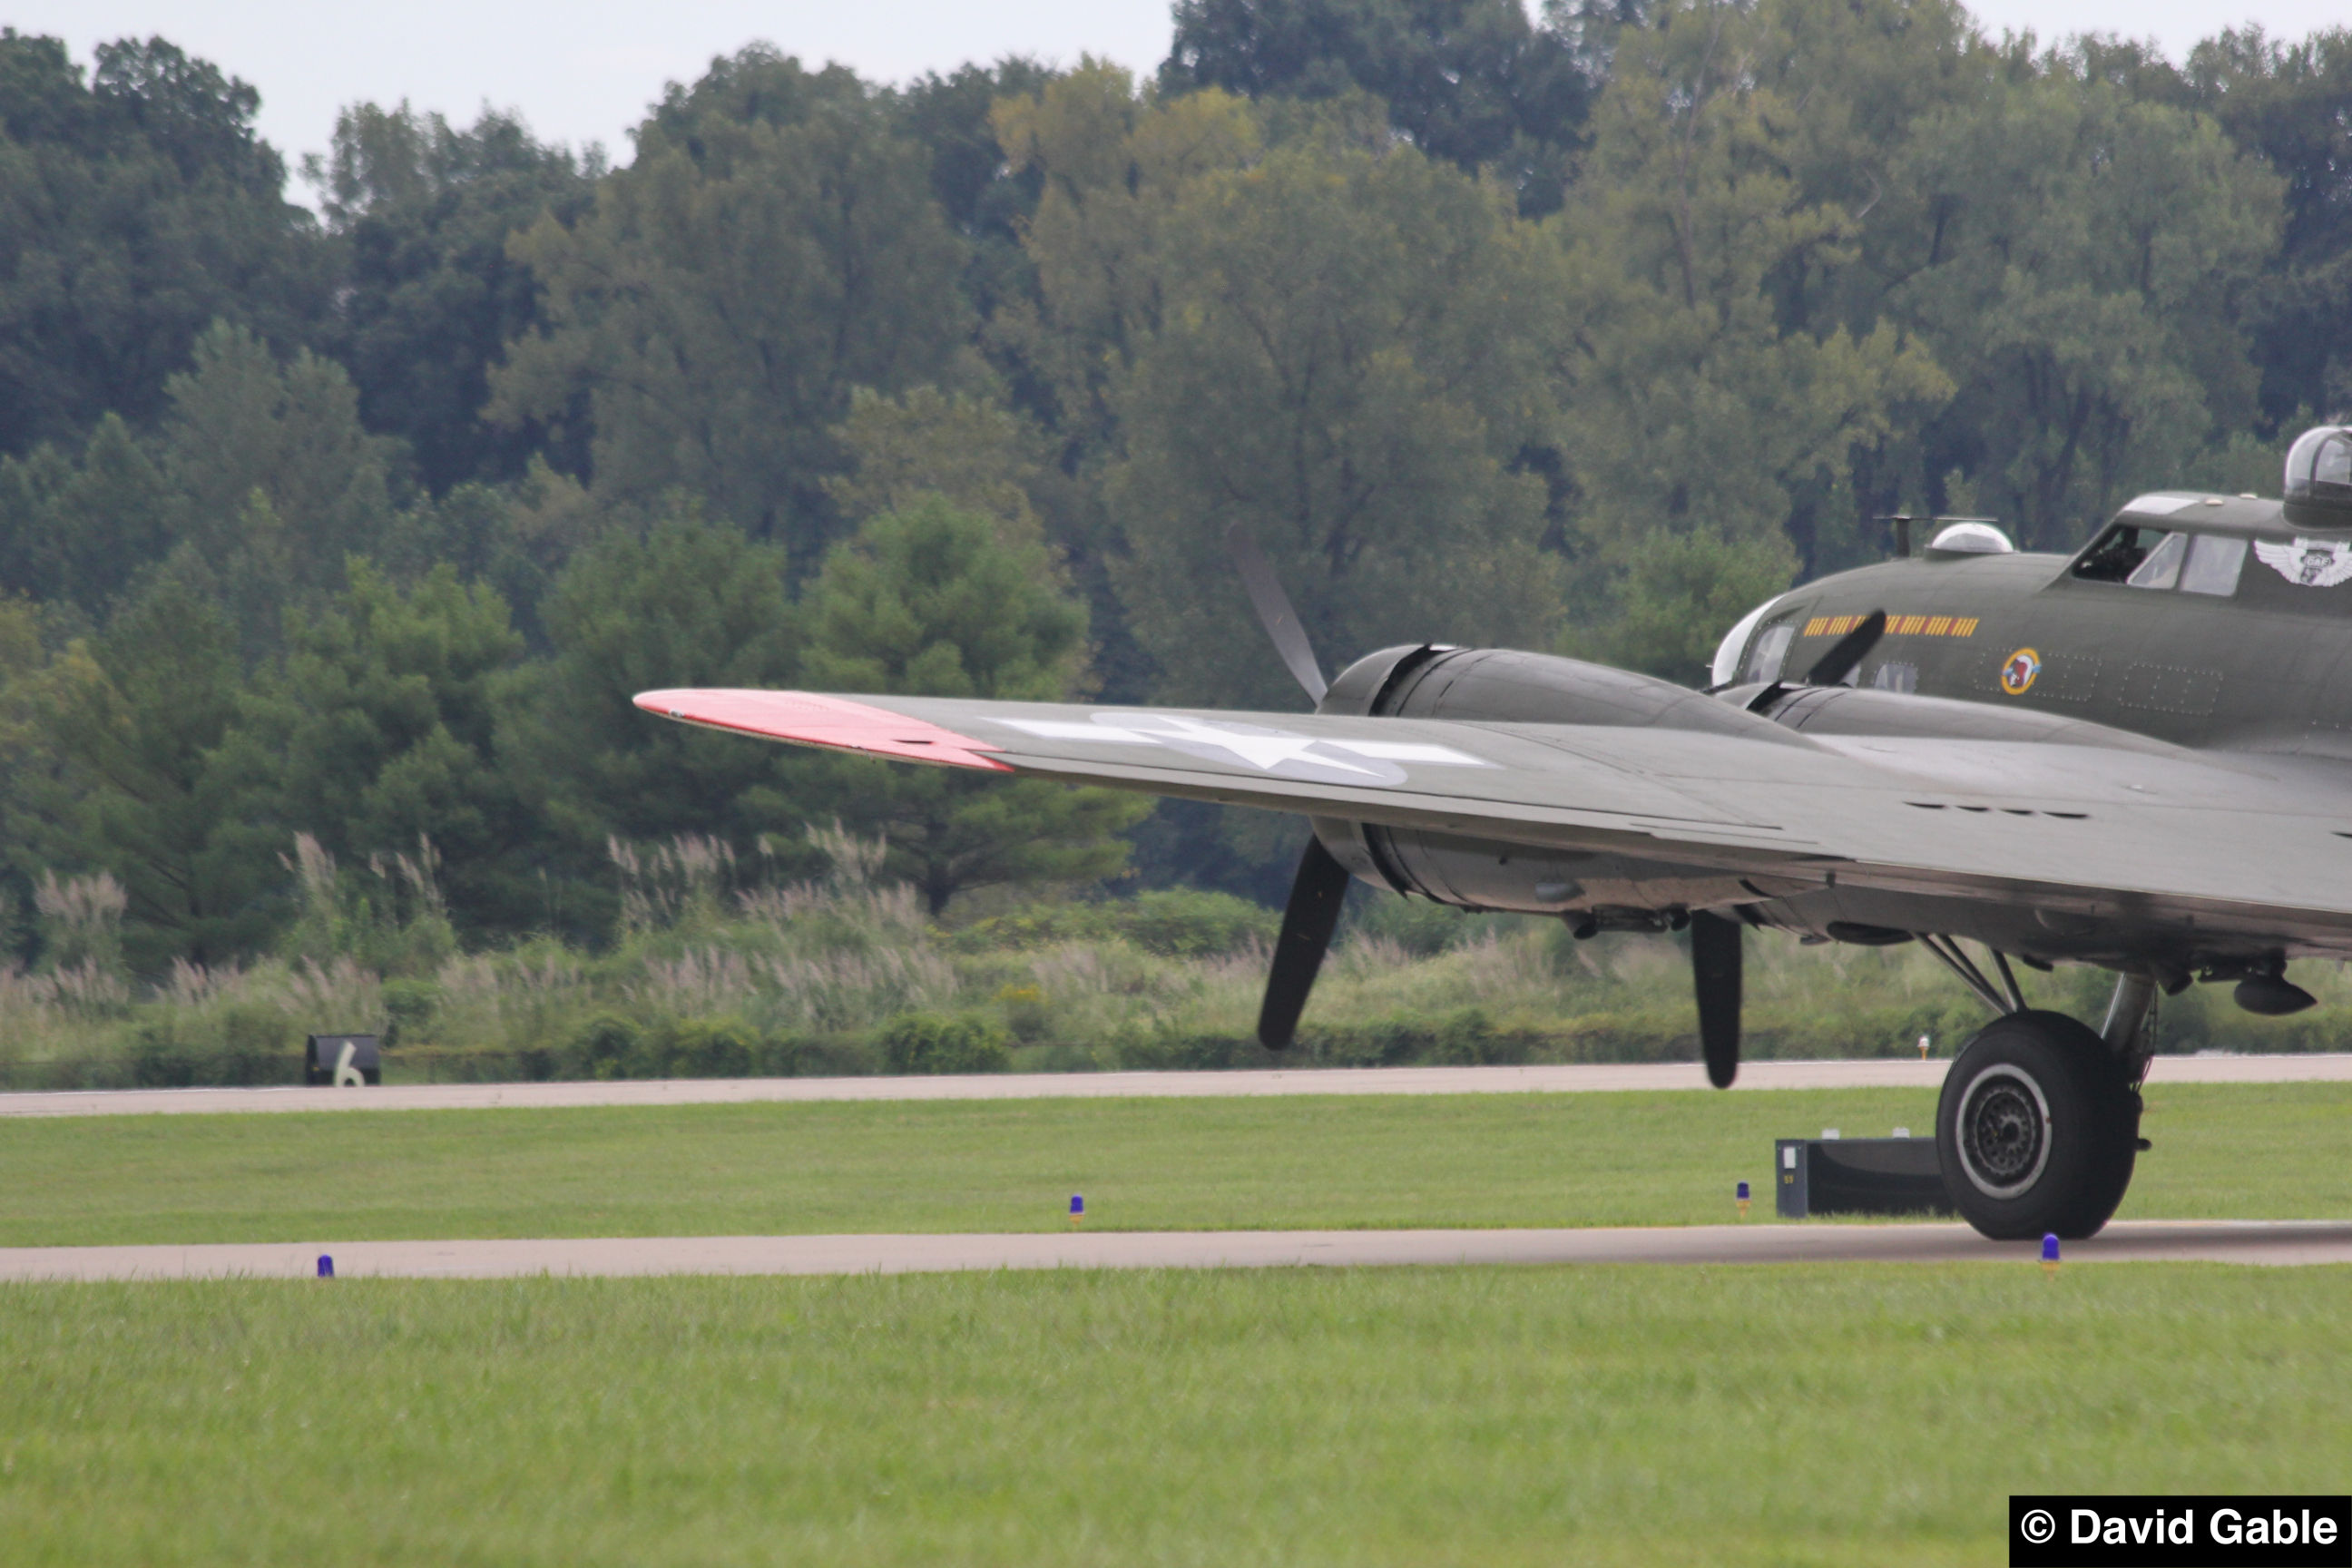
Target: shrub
<point>928,1043</point>
<point>1185,922</point>
<point>1423,929</point>
<point>700,1048</point>
<point>602,1047</point>
<point>236,1044</point>
<point>408,1007</point>
<point>1176,922</point>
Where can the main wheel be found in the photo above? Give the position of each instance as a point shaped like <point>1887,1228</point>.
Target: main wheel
<point>2037,1129</point>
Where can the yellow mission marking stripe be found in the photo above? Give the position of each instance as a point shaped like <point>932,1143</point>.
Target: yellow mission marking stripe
<point>1896,626</point>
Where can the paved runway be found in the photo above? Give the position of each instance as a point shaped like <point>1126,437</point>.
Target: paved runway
<point>2137,1241</point>
<point>1878,1072</point>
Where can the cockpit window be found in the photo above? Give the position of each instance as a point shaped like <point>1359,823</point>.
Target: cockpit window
<point>2161,568</point>
<point>2214,562</point>
<point>2117,553</point>
<point>2158,558</point>
<point>1771,651</point>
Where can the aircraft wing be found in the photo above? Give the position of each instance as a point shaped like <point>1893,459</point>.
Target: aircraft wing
<point>2250,843</point>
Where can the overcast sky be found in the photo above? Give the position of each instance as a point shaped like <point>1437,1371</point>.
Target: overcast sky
<point>583,70</point>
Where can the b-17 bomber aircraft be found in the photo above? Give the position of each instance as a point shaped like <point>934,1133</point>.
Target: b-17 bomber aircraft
<point>2138,757</point>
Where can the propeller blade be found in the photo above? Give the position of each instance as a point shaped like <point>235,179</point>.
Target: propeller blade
<point>1715,975</point>
<point>1273,612</point>
<point>1308,922</point>
<point>1849,650</point>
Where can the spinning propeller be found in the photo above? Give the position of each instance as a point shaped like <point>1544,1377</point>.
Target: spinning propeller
<point>1320,887</point>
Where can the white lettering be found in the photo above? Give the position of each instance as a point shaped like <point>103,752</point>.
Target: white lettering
<point>2083,1527</point>
<point>2323,1532</point>
<point>2228,1528</point>
<point>2182,1531</point>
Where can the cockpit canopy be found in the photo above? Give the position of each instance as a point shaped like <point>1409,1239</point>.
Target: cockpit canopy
<point>2319,477</point>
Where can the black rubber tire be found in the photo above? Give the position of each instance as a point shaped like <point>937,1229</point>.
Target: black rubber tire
<point>2037,1130</point>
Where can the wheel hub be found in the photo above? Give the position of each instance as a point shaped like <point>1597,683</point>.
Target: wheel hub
<point>2004,1132</point>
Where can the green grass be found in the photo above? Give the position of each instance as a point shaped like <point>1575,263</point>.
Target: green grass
<point>1498,1416</point>
<point>2222,1150</point>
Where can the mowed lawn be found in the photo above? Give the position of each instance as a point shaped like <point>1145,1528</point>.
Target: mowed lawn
<point>1494,1416</point>
<point>2222,1150</point>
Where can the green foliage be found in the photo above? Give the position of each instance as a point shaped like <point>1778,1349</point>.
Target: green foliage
<point>432,296</point>
<point>2291,102</point>
<point>1349,362</point>
<point>136,208</point>
<point>76,531</point>
<point>726,291</point>
<point>276,482</point>
<point>976,456</point>
<point>1114,166</point>
<point>930,600</point>
<point>376,734</point>
<point>1678,592</point>
<point>1420,927</point>
<point>690,603</point>
<point>127,729</point>
<point>1173,922</point>
<point>2076,258</point>
<point>1471,81</point>
<point>927,1043</point>
<point>393,922</point>
<point>236,1045</point>
<point>1698,421</point>
<point>408,1009</point>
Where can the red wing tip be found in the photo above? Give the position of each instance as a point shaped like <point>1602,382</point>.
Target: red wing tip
<point>815,718</point>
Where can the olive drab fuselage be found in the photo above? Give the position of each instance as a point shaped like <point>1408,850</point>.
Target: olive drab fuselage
<point>2196,621</point>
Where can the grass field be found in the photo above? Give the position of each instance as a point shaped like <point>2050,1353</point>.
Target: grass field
<point>2221,1151</point>
<point>1786,1415</point>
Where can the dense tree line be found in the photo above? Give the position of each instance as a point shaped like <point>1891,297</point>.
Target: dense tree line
<point>1584,330</point>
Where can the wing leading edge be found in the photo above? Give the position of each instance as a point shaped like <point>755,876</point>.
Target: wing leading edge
<point>2062,826</point>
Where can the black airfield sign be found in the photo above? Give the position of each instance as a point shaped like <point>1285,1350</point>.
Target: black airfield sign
<point>2138,757</point>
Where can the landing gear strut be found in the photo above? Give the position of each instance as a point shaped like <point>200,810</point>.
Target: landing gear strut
<point>2038,1126</point>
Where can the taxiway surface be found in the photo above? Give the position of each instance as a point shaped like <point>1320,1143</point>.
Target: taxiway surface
<point>2128,1241</point>
<point>1869,1073</point>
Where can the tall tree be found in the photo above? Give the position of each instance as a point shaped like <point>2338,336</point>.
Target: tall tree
<point>128,728</point>
<point>987,195</point>
<point>375,733</point>
<point>77,530</point>
<point>2079,261</point>
<point>275,480</point>
<point>933,601</point>
<point>1114,163</point>
<point>1697,413</point>
<point>431,295</point>
<point>1472,82</point>
<point>774,244</point>
<point>1351,362</point>
<point>135,207</point>
<point>688,603</point>
<point>2291,102</point>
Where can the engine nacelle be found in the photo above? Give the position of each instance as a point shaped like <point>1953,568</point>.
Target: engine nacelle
<point>1506,686</point>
